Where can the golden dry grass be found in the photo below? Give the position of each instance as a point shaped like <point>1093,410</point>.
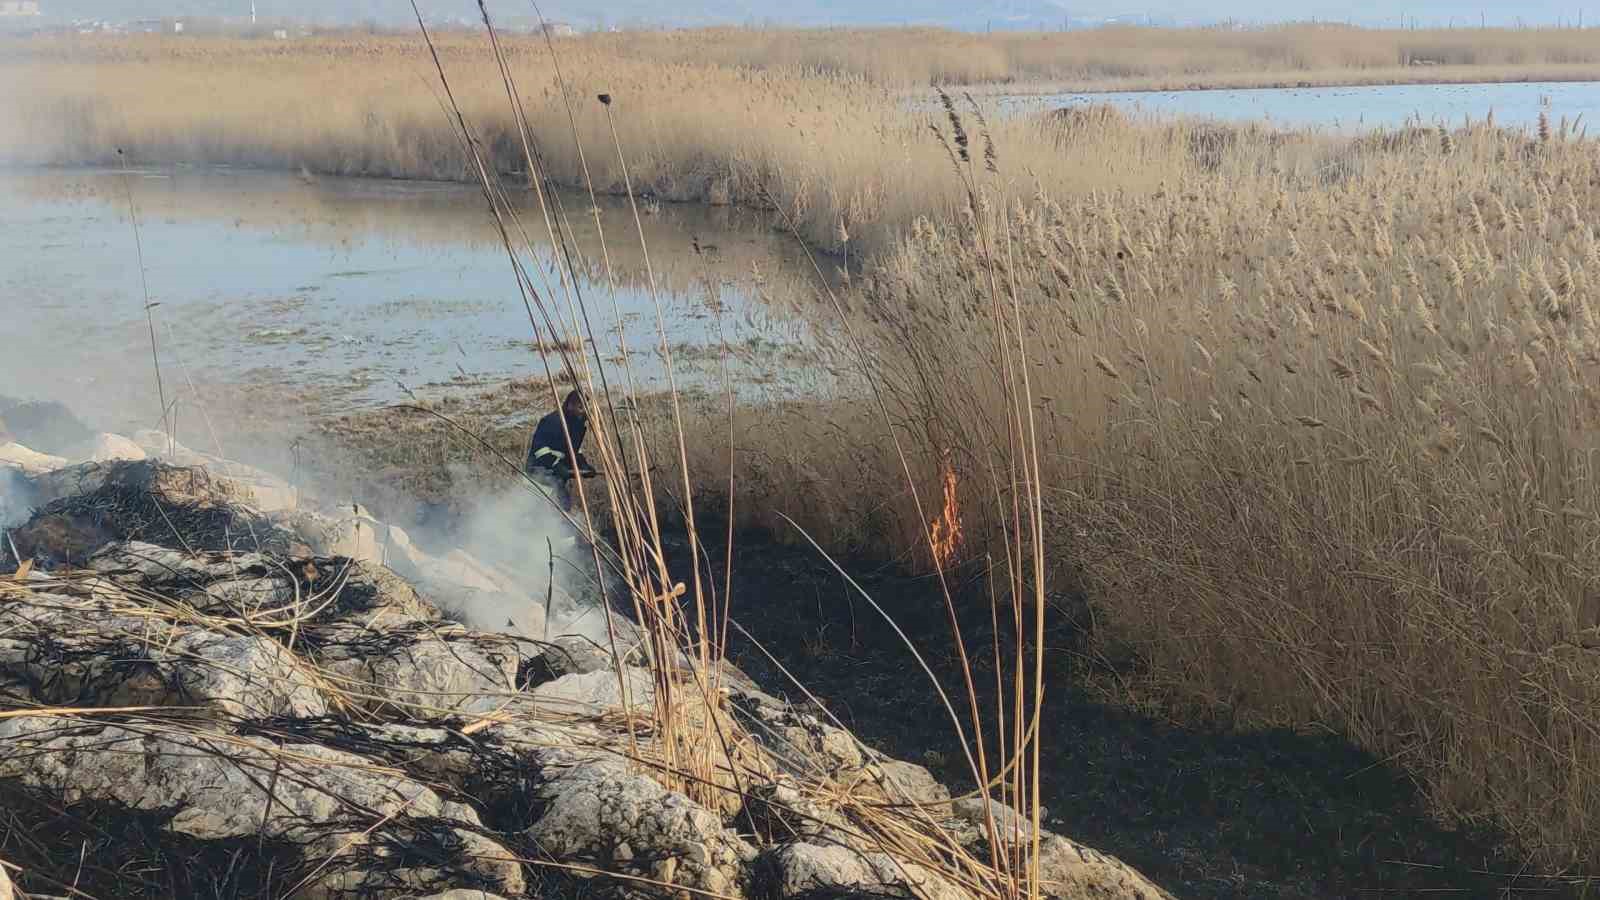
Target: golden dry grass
<point>695,132</point>
<point>723,117</point>
<point>843,157</point>
<point>1131,58</point>
<point>1320,452</point>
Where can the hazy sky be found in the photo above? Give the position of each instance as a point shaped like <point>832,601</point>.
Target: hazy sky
<point>960,13</point>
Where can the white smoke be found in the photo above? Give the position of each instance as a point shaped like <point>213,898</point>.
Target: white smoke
<point>16,498</point>
<point>520,534</point>
<point>511,563</point>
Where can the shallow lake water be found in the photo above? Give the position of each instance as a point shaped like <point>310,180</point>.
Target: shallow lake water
<point>361,292</point>
<point>1349,108</point>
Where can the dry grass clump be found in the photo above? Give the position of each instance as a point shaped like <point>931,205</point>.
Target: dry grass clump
<point>698,132</point>
<point>892,57</point>
<point>1128,57</point>
<point>811,462</point>
<point>1321,449</point>
<point>847,161</point>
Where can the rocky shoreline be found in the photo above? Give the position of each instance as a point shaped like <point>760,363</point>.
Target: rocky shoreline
<point>212,686</point>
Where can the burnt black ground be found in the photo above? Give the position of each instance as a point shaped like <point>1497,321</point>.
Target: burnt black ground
<point>103,851</point>
<point>1207,812</point>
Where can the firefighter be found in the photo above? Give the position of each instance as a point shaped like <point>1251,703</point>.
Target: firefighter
<point>548,459</point>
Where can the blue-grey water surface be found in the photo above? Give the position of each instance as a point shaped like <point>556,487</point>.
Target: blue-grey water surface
<point>1348,109</point>
<point>356,290</point>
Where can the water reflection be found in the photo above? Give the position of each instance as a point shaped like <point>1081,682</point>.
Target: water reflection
<point>365,289</point>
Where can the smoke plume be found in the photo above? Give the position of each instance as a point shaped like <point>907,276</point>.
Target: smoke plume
<point>16,498</point>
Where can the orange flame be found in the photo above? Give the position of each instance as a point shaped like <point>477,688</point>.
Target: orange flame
<point>946,528</point>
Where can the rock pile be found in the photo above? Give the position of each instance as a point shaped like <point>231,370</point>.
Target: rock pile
<point>204,693</point>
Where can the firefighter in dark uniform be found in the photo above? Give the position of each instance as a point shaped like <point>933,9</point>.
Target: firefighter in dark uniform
<point>548,459</point>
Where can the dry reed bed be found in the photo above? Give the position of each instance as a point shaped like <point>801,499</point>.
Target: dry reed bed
<point>1099,59</point>
<point>1324,456</point>
<point>845,159</point>
<point>1127,57</point>
<point>832,146</point>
